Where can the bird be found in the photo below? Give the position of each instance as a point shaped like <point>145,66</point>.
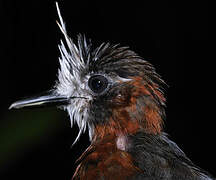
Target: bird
<point>118,97</point>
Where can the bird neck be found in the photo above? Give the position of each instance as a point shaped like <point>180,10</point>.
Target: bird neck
<point>116,129</point>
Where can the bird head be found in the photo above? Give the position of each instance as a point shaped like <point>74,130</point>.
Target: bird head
<point>107,90</point>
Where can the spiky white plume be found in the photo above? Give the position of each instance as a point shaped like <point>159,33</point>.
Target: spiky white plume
<point>70,82</point>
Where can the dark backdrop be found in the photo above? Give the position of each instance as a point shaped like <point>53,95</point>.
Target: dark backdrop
<point>35,144</point>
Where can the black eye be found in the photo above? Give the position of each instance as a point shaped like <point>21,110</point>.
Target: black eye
<point>98,83</point>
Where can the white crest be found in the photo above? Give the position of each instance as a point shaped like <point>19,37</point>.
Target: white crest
<point>69,79</point>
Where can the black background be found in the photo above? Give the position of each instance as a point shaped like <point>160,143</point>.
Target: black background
<point>35,144</point>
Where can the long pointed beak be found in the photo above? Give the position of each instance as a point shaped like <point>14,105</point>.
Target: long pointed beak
<point>48,99</point>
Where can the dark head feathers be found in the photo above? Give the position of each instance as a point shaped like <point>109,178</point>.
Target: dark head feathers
<point>122,61</point>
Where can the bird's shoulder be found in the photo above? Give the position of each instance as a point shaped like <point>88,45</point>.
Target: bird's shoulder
<point>147,156</point>
<point>161,158</point>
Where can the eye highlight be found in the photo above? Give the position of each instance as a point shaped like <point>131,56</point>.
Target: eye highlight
<point>97,83</point>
